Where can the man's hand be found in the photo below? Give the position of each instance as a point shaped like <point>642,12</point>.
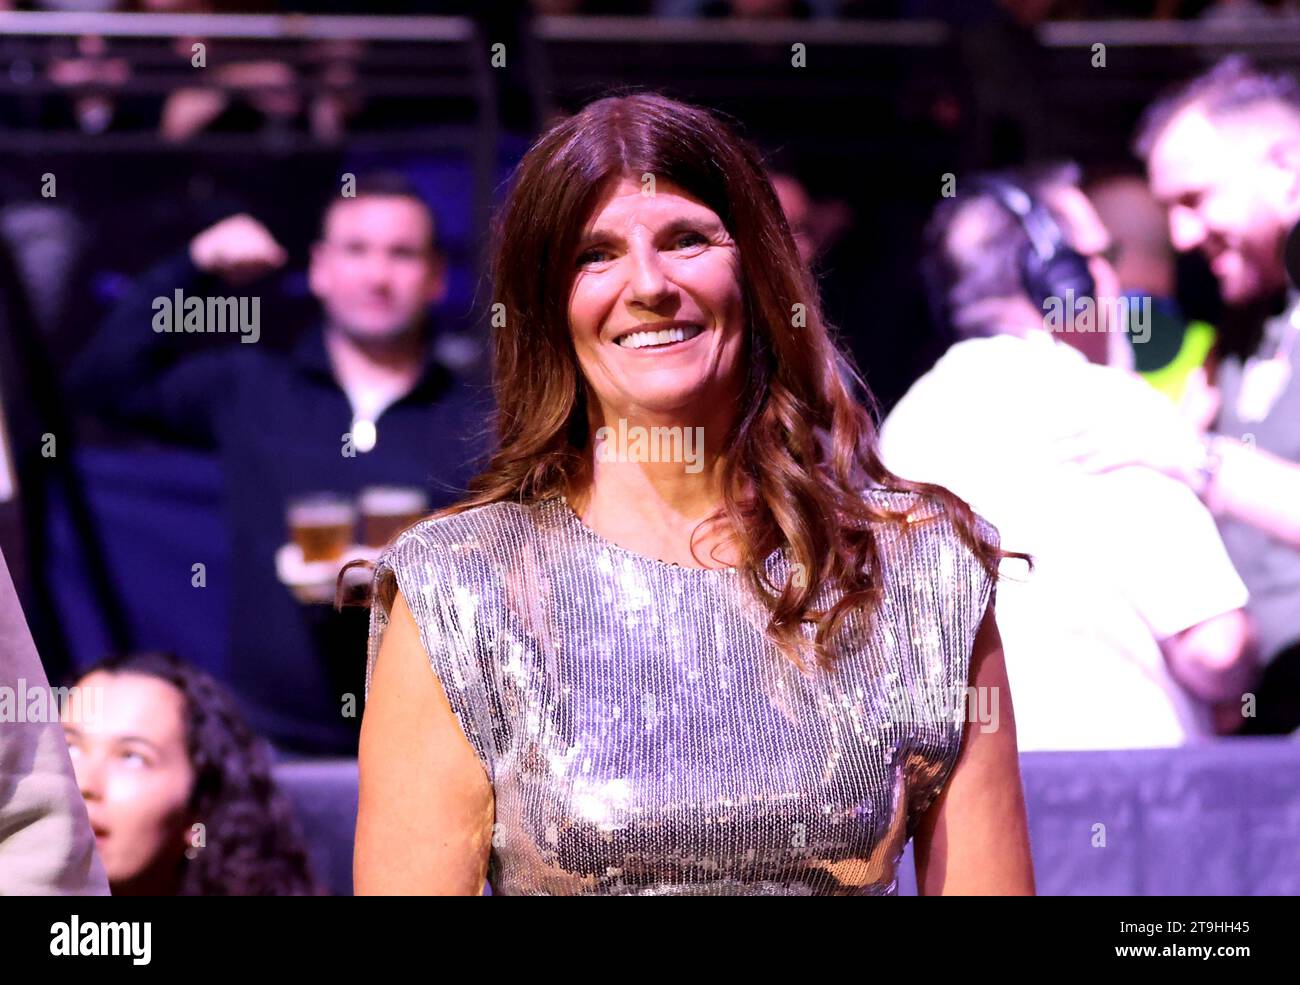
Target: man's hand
<point>238,249</point>
<point>1164,442</point>
<point>1200,400</point>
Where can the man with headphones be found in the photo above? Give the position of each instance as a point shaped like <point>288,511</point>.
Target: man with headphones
<point>1129,631</point>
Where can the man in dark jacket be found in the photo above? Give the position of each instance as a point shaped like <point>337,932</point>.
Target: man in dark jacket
<point>362,401</point>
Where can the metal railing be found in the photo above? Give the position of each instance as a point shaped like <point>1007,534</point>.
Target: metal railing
<point>433,73</point>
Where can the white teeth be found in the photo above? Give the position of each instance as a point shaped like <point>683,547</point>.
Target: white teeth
<point>640,340</point>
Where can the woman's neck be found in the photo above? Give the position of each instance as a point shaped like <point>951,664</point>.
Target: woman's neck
<point>650,486</point>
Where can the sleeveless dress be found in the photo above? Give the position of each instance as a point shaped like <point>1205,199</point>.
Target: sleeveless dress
<point>643,736</point>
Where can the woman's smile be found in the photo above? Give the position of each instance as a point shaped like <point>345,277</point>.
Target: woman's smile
<point>658,337</point>
<point>657,288</point>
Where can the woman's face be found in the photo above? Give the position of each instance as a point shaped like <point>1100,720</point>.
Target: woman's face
<point>134,772</point>
<point>656,309</point>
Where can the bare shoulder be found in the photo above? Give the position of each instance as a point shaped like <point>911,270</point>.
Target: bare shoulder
<point>928,523</point>
<point>424,819</point>
<point>476,525</point>
<point>444,551</point>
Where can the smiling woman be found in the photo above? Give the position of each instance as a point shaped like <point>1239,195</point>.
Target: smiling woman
<point>654,679</point>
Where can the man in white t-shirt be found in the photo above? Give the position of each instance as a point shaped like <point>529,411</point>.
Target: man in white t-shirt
<point>1129,631</point>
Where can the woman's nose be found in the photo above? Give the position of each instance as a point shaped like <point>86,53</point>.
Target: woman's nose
<point>647,280</point>
<point>89,771</point>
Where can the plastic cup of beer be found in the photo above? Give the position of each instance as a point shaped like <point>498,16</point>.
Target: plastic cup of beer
<point>322,525</point>
<point>387,510</point>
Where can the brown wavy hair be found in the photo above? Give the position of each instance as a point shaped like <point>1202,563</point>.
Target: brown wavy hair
<point>803,446</point>
<point>255,844</point>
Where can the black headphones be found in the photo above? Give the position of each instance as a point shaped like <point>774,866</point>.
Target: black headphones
<point>1049,266</point>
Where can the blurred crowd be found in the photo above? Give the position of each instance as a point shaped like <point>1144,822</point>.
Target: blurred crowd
<point>1027,11</point>
<point>1141,442</point>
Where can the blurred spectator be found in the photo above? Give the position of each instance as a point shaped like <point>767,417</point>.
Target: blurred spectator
<point>239,96</point>
<point>242,96</point>
<point>1144,257</point>
<point>1223,156</point>
<point>748,9</point>
<point>1175,347</point>
<point>1130,627</point>
<point>206,6</point>
<point>91,77</point>
<point>1003,68</point>
<point>620,8</point>
<point>816,225</point>
<point>361,401</point>
<point>859,270</point>
<point>797,206</point>
<point>78,6</point>
<point>179,790</point>
<point>757,9</point>
<point>1026,13</point>
<point>1247,11</point>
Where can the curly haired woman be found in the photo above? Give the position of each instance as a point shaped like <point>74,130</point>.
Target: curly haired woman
<point>179,789</point>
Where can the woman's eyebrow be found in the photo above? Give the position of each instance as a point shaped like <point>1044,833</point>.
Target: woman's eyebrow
<point>138,740</point>
<point>693,224</point>
<point>677,225</point>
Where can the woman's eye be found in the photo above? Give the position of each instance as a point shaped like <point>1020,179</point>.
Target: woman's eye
<point>591,256</point>
<point>134,759</point>
<point>684,241</point>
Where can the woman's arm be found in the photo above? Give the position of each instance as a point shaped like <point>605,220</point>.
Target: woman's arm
<point>424,821</point>
<point>974,839</point>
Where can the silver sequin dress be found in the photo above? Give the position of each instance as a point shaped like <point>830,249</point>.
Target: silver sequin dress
<point>641,734</point>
